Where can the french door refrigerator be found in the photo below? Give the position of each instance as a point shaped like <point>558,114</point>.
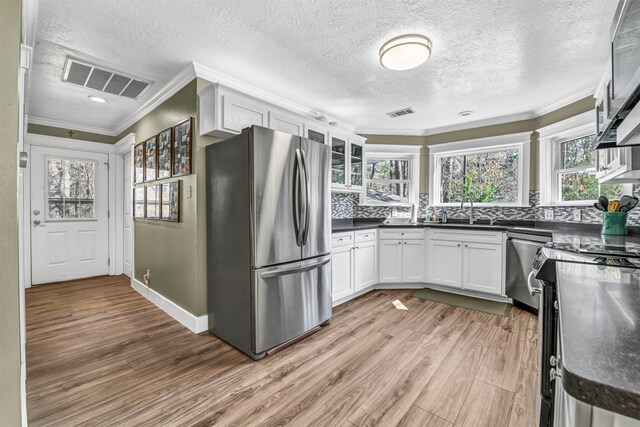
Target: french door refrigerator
<point>268,239</point>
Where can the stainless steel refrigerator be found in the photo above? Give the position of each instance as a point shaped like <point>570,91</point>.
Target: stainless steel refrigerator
<point>268,239</point>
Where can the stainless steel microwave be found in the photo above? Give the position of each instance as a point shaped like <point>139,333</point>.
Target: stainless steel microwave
<point>624,90</point>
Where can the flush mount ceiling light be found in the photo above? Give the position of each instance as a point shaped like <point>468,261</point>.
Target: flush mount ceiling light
<point>465,113</point>
<point>97,99</point>
<point>405,52</point>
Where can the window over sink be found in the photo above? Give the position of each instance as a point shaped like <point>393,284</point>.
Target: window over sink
<point>392,175</point>
<point>488,171</point>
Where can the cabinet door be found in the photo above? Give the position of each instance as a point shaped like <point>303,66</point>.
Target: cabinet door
<point>446,263</point>
<point>341,266</point>
<point>364,265</point>
<point>483,268</point>
<point>390,261</point>
<point>285,123</point>
<point>356,159</point>
<point>339,153</point>
<point>315,132</point>
<point>413,261</point>
<point>239,112</point>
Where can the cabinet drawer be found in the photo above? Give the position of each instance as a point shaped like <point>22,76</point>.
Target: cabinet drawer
<point>467,236</point>
<point>341,239</point>
<point>402,233</point>
<point>366,235</point>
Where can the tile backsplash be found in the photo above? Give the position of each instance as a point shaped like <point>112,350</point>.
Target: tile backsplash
<point>345,205</point>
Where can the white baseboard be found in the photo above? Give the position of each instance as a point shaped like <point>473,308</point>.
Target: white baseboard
<point>195,324</point>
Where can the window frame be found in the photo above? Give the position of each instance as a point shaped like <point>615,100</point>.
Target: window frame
<point>519,141</point>
<point>551,137</point>
<point>410,153</point>
<point>48,218</point>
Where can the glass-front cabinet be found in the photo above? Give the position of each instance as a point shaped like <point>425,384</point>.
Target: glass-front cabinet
<point>347,158</point>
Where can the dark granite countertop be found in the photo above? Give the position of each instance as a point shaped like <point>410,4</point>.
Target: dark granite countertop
<point>600,334</point>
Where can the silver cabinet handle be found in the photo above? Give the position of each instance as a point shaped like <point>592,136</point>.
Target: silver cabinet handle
<point>399,243</point>
<point>458,244</point>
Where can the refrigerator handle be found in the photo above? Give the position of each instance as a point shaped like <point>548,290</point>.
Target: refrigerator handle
<point>296,198</point>
<point>307,204</point>
<point>299,269</point>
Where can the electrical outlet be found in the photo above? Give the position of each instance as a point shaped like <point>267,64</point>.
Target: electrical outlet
<point>577,215</point>
<point>548,214</point>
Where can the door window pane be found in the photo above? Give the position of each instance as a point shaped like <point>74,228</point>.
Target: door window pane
<point>70,189</point>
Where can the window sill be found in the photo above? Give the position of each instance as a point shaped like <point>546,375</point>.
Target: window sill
<point>389,205</point>
<point>567,204</point>
<point>478,205</point>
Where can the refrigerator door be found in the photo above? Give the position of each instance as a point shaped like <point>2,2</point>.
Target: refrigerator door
<point>290,300</point>
<point>316,158</point>
<point>276,199</point>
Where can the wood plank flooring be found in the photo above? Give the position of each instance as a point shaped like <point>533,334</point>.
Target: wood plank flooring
<point>98,353</point>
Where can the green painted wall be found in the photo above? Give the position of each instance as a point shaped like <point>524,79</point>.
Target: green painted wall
<point>10,29</point>
<point>171,250</point>
<point>531,125</point>
<point>64,133</point>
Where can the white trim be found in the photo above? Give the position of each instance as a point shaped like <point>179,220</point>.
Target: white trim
<point>481,143</point>
<point>69,144</point>
<point>70,125</point>
<point>180,80</point>
<point>569,124</point>
<point>124,145</point>
<point>195,324</point>
<point>520,141</point>
<point>576,96</point>
<point>392,149</point>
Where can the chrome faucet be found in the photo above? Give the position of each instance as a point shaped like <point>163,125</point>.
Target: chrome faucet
<point>471,220</point>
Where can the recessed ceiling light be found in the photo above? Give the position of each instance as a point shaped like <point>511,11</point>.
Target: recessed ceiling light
<point>405,52</point>
<point>465,113</point>
<point>97,99</point>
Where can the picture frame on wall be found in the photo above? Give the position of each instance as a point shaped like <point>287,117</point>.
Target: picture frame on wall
<point>170,201</point>
<point>150,159</point>
<point>139,202</point>
<point>164,153</point>
<point>153,201</point>
<point>138,163</point>
<point>182,136</point>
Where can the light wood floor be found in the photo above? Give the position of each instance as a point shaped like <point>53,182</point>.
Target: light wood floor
<point>98,353</point>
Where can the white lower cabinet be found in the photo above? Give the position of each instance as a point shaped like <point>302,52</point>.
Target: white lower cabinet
<point>413,261</point>
<point>482,268</point>
<point>353,262</point>
<point>341,267</point>
<point>467,264</point>
<point>390,261</point>
<point>364,265</point>
<point>445,263</point>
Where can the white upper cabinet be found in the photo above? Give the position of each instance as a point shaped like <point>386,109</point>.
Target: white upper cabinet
<point>347,161</point>
<point>224,112</point>
<point>286,123</point>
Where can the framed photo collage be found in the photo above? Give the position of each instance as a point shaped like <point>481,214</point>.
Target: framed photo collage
<point>165,155</point>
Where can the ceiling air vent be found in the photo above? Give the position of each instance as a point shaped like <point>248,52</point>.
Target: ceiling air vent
<point>102,79</point>
<point>402,112</point>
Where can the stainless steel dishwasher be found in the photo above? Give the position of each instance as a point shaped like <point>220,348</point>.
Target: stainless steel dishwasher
<point>521,250</point>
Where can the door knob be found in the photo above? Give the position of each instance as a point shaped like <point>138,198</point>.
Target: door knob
<point>37,222</point>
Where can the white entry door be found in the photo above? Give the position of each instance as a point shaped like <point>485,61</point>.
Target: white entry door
<point>69,214</point>
<point>127,252</point>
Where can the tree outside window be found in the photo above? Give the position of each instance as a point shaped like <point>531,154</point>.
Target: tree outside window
<point>388,181</point>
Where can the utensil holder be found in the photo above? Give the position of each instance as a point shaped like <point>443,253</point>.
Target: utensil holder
<point>614,223</point>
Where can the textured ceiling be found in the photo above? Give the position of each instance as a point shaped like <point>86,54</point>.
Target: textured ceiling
<point>497,58</point>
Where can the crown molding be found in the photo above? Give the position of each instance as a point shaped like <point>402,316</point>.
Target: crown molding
<point>125,144</point>
<point>564,102</point>
<point>69,125</point>
<point>180,80</point>
<point>482,143</point>
<point>585,120</point>
<point>247,89</point>
<point>382,131</point>
<point>70,144</point>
